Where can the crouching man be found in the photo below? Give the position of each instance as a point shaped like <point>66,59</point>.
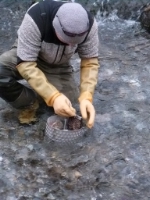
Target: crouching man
<point>50,34</point>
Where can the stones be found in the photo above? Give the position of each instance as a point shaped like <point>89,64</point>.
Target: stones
<point>57,125</point>
<point>74,123</point>
<point>114,158</point>
<point>145,17</point>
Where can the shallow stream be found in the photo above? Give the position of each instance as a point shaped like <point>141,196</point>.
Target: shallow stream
<point>111,162</point>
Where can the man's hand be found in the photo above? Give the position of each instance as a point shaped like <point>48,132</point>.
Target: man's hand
<point>63,107</point>
<point>87,112</point>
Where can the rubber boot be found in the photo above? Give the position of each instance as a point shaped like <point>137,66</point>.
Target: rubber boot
<point>28,114</point>
<point>27,104</point>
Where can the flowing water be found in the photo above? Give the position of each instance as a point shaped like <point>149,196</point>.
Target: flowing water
<point>111,162</point>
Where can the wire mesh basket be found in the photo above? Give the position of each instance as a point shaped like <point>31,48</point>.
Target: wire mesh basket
<point>57,130</point>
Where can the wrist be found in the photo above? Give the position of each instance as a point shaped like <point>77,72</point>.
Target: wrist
<point>53,97</point>
<point>85,96</point>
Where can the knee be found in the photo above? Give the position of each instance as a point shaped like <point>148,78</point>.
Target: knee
<point>6,76</point>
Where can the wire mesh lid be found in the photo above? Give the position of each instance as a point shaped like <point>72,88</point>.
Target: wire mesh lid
<point>63,130</point>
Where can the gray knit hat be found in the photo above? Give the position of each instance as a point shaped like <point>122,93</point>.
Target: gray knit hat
<point>71,23</point>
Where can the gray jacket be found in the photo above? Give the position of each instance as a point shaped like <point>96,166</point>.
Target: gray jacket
<point>31,46</point>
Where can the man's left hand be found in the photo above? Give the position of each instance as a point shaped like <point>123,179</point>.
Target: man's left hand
<point>87,112</point>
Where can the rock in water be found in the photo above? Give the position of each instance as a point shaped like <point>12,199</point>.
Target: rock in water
<point>145,17</point>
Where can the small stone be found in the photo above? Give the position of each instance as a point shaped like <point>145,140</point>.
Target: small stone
<point>11,198</point>
<point>51,197</point>
<point>77,174</point>
<point>30,147</point>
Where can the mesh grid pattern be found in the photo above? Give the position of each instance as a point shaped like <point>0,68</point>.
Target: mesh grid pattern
<point>62,135</point>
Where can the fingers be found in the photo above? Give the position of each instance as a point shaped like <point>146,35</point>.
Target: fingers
<point>83,109</point>
<point>66,111</point>
<point>91,119</point>
<point>68,102</point>
<point>87,112</point>
<point>63,107</point>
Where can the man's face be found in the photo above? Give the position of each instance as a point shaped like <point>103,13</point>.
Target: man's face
<point>60,38</point>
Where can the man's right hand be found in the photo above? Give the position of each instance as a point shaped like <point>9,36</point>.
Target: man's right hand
<point>63,107</point>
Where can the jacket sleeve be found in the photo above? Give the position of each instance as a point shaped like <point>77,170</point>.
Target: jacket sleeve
<point>88,78</point>
<point>29,40</point>
<point>38,81</point>
<point>90,47</point>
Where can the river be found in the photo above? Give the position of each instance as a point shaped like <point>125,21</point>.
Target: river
<point>111,162</point>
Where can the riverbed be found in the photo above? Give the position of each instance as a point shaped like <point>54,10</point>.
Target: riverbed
<point>111,162</point>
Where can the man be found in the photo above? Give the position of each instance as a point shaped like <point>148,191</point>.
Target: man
<point>50,33</point>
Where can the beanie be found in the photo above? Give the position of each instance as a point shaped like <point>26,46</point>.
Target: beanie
<point>71,23</point>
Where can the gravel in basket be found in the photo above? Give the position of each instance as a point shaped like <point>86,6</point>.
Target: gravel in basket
<point>60,129</point>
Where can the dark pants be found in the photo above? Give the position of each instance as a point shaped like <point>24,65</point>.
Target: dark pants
<point>21,95</point>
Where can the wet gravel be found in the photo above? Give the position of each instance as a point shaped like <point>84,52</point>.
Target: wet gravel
<point>111,162</point>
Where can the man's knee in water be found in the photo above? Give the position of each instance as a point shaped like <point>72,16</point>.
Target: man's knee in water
<point>6,76</point>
